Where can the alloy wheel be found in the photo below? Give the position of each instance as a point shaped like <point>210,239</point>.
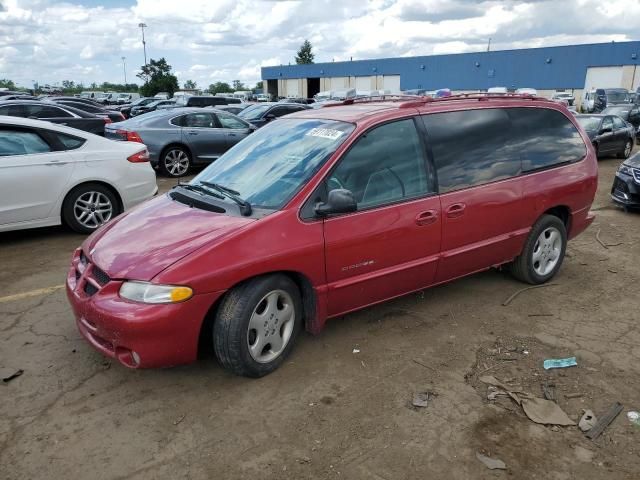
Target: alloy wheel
<point>271,326</point>
<point>92,209</point>
<point>176,162</point>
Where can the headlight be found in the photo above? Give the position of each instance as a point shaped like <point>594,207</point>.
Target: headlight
<point>145,292</point>
<point>624,169</point>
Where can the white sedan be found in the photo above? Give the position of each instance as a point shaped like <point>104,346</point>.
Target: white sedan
<point>51,174</point>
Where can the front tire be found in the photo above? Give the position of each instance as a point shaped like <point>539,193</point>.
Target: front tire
<point>88,207</point>
<point>543,252</point>
<point>257,324</point>
<point>175,162</point>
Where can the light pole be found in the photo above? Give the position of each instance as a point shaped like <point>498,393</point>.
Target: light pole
<point>124,69</point>
<point>144,44</point>
<point>489,45</point>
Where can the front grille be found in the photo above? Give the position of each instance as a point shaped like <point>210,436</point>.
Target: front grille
<point>101,277</point>
<point>89,289</point>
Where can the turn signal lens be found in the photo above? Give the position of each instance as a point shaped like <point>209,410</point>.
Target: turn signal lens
<point>140,157</point>
<point>180,294</point>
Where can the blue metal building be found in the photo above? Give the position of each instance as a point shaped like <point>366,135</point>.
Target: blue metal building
<point>563,67</point>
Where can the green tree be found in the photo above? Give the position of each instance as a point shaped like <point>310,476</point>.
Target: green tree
<point>220,87</point>
<point>259,86</point>
<point>305,55</point>
<point>6,83</point>
<point>158,78</point>
<point>190,85</point>
<point>238,85</point>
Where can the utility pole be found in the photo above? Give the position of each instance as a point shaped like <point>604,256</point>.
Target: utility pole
<point>124,69</point>
<point>488,45</point>
<point>144,44</point>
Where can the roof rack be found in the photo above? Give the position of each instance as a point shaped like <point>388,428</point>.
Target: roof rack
<point>418,100</point>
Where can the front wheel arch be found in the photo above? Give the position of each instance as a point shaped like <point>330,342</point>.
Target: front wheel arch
<point>93,182</point>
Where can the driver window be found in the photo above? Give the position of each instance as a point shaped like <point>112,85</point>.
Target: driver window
<point>607,123</point>
<point>384,166</point>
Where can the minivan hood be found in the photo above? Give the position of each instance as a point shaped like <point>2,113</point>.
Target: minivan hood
<point>153,236</point>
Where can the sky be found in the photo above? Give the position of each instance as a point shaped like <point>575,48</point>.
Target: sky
<point>207,41</point>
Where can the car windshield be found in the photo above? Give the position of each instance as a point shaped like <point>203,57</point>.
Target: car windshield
<point>617,96</point>
<point>589,123</point>
<point>269,166</point>
<point>622,111</point>
<point>255,112</point>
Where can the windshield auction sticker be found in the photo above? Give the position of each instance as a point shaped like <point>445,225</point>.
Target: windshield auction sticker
<point>325,133</point>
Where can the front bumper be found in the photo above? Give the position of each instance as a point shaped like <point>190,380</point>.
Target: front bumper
<point>137,335</point>
<point>625,191</point>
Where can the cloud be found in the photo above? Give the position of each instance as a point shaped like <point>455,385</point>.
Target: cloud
<point>205,41</point>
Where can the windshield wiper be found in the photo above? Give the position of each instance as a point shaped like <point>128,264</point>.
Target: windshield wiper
<point>245,207</point>
<point>199,189</point>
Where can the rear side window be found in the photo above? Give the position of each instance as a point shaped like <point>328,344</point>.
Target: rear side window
<point>68,141</point>
<point>21,142</point>
<point>544,138</point>
<point>229,121</point>
<point>385,165</point>
<point>13,110</point>
<point>45,111</point>
<point>618,122</point>
<point>471,147</point>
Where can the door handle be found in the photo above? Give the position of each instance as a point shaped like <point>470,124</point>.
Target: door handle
<point>456,210</point>
<point>232,134</point>
<point>426,218</point>
<point>56,162</point>
<point>192,132</point>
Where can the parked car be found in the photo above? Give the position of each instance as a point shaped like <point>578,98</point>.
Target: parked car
<point>162,96</point>
<point>20,96</point>
<point>150,107</point>
<point>597,99</point>
<point>106,98</point>
<point>113,115</point>
<point>52,174</point>
<point>181,137</point>
<point>629,113</point>
<point>89,95</point>
<point>124,98</point>
<point>609,134</point>
<point>303,101</point>
<point>262,113</point>
<point>126,109</point>
<point>626,184</point>
<point>564,96</point>
<point>235,109</point>
<point>328,211</point>
<point>263,97</point>
<point>86,101</point>
<point>61,114</point>
<point>205,101</point>
<point>497,90</point>
<point>527,91</point>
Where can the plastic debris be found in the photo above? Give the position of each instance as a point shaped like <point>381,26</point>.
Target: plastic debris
<point>587,421</point>
<point>560,363</point>
<point>545,412</point>
<point>634,417</point>
<point>605,421</point>
<point>491,463</point>
<point>491,380</point>
<point>356,350</point>
<point>8,376</point>
<point>420,399</point>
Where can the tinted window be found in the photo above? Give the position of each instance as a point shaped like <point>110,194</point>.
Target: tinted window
<point>618,122</point>
<point>199,120</point>
<point>46,111</point>
<point>13,110</point>
<point>472,147</point>
<point>544,138</point>
<point>21,142</point>
<point>68,141</point>
<point>385,165</point>
<point>607,123</point>
<point>229,121</point>
<point>178,121</point>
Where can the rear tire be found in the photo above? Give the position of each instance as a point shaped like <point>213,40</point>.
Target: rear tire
<point>543,252</point>
<point>175,162</point>
<point>626,151</point>
<point>257,324</point>
<point>87,207</point>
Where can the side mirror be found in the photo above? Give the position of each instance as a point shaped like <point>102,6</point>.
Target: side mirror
<point>270,117</point>
<point>338,201</point>
<point>605,130</point>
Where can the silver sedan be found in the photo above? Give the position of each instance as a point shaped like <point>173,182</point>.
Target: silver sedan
<point>181,137</point>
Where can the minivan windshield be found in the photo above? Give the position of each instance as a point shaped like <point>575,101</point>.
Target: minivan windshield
<point>269,166</point>
<point>617,96</point>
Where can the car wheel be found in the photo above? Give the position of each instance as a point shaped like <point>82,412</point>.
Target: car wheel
<point>175,162</point>
<point>257,324</point>
<point>88,207</point>
<point>543,251</point>
<point>626,152</point>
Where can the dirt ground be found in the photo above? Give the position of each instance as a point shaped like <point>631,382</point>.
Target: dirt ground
<point>329,412</point>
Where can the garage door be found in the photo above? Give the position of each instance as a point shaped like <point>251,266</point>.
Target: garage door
<point>603,77</point>
<point>363,83</point>
<point>391,83</point>
<point>339,83</point>
<point>292,88</point>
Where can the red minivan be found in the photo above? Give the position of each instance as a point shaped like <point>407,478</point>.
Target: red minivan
<point>327,211</point>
